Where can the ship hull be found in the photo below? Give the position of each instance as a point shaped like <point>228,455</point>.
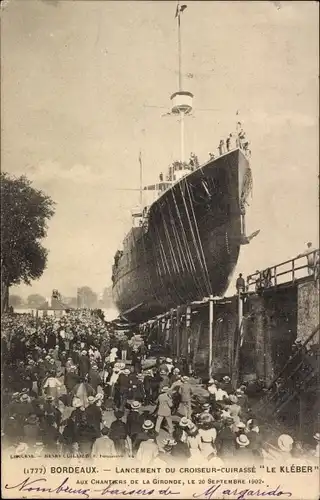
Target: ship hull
<point>190,246</point>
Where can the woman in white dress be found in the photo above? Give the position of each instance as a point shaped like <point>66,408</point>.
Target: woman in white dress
<point>208,435</point>
<point>194,441</point>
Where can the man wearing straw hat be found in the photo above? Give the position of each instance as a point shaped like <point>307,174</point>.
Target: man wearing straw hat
<point>148,449</point>
<point>164,410</point>
<point>134,423</point>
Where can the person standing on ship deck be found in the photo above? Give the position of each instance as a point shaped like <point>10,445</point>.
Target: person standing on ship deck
<point>312,258</point>
<point>240,284</point>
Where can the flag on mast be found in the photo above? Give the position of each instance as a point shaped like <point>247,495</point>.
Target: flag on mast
<point>180,9</point>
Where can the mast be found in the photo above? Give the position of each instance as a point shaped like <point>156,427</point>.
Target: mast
<point>140,187</point>
<point>179,45</point>
<point>181,100</point>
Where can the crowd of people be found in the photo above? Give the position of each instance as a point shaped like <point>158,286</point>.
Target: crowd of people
<point>74,385</point>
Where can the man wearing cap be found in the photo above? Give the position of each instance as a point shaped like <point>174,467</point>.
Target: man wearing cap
<point>164,410</point>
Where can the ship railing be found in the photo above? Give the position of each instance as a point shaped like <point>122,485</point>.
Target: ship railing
<point>285,272</point>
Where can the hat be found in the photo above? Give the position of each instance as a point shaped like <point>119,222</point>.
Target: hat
<point>317,436</point>
<point>21,448</point>
<point>24,397</point>
<point>91,399</point>
<point>49,398</point>
<point>211,381</point>
<point>126,371</point>
<point>135,404</point>
<point>168,360</point>
<point>147,425</point>
<point>285,442</point>
<point>39,443</point>
<point>163,372</point>
<point>185,378</point>
<point>226,378</point>
<point>250,422</point>
<point>184,422</point>
<point>169,442</point>
<point>241,425</point>
<point>15,395</point>
<point>165,388</point>
<point>83,352</point>
<point>242,440</point>
<point>233,398</point>
<point>176,370</point>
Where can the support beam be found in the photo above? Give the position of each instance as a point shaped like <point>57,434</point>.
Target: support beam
<point>171,330</point>
<point>210,334</point>
<point>188,335</point>
<point>177,329</point>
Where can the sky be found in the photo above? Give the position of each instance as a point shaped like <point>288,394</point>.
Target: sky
<point>85,85</point>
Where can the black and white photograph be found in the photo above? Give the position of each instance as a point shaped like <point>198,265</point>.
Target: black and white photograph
<point>160,249</point>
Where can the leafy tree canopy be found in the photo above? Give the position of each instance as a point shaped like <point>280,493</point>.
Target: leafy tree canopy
<point>35,300</point>
<point>15,300</point>
<point>87,297</point>
<point>25,212</point>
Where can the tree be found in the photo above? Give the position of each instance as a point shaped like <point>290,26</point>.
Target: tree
<point>107,297</point>
<point>87,299</point>
<point>35,300</point>
<point>25,212</point>
<point>15,300</point>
